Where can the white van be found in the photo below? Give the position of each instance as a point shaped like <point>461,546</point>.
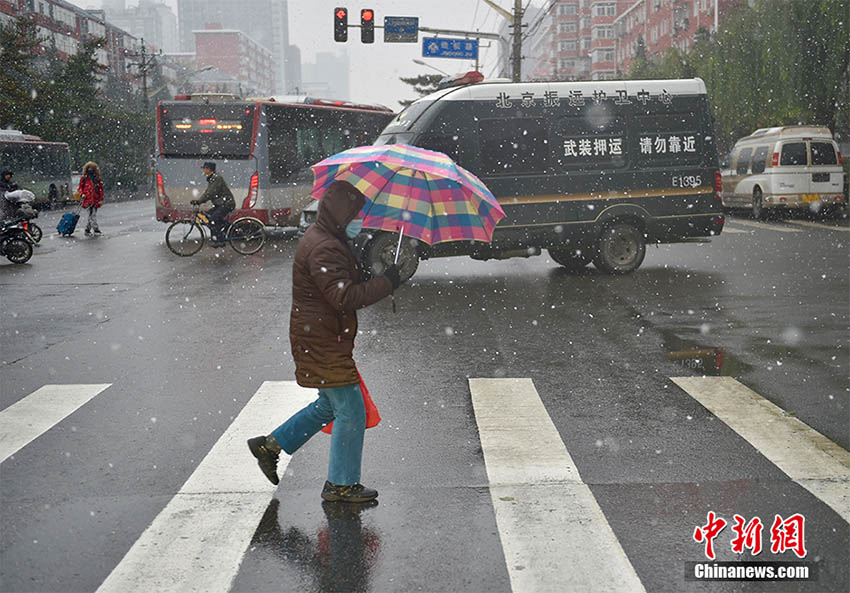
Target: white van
<point>788,167</point>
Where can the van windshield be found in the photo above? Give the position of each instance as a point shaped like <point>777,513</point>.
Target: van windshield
<point>407,117</point>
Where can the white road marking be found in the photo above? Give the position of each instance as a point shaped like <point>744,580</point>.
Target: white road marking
<point>26,420</point>
<point>554,535</point>
<point>805,455</point>
<point>197,542</point>
<point>818,225</point>
<point>728,229</point>
<point>764,225</point>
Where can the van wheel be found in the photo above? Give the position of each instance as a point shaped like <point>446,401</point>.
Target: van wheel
<point>759,211</point>
<point>620,249</point>
<point>572,259</point>
<point>379,254</point>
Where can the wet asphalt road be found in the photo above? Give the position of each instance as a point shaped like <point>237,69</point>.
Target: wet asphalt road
<point>186,342</point>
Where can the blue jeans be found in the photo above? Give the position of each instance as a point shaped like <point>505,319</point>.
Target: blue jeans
<point>343,406</point>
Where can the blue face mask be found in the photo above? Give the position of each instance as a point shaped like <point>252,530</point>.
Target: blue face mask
<point>353,228</point>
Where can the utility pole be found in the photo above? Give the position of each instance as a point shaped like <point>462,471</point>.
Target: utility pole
<point>516,59</point>
<point>515,21</point>
<point>144,64</point>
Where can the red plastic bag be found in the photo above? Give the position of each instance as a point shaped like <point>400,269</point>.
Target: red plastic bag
<point>372,414</point>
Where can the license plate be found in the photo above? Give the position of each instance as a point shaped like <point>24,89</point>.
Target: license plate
<point>808,198</point>
<point>820,177</point>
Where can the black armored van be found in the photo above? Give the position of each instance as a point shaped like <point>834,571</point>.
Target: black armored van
<point>590,171</point>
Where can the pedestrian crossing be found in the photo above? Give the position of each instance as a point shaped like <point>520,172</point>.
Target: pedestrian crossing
<point>553,532</point>
<point>26,420</point>
<point>552,529</point>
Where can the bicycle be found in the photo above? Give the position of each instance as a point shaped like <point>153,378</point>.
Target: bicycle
<point>186,237</point>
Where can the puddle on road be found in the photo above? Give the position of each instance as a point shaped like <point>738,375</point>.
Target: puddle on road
<point>339,557</point>
<point>709,360</point>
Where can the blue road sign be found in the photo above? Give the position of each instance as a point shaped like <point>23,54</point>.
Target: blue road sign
<point>441,47</point>
<point>401,29</point>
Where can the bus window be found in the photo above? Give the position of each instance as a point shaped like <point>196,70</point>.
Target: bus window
<point>744,161</point>
<point>823,153</point>
<point>793,153</point>
<point>759,160</point>
<point>207,131</point>
<point>512,146</point>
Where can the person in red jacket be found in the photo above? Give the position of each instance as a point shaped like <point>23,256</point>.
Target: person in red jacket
<point>91,194</point>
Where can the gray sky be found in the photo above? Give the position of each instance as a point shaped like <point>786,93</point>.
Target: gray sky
<point>375,68</point>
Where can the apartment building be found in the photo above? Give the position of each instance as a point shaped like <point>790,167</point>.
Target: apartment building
<point>64,26</point>
<point>597,39</point>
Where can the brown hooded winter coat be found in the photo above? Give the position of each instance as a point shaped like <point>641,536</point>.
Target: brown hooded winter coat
<point>326,291</point>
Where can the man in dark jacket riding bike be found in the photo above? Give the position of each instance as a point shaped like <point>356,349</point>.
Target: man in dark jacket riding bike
<point>221,197</point>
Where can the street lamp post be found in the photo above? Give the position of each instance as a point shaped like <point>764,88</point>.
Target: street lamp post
<point>427,65</point>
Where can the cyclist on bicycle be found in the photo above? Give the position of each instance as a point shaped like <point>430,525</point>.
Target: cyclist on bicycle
<point>221,197</point>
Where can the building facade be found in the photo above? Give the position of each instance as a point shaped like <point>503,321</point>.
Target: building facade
<point>265,21</point>
<point>653,26</point>
<point>232,52</point>
<point>598,39</point>
<point>64,27</point>
<point>152,21</point>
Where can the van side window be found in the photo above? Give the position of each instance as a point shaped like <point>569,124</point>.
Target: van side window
<point>823,153</point>
<point>759,160</point>
<point>449,145</point>
<point>793,153</point>
<point>511,146</point>
<point>743,161</point>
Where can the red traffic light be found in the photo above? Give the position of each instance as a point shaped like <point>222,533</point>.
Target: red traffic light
<point>367,25</point>
<point>340,24</point>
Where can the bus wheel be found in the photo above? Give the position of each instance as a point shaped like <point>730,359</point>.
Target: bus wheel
<point>620,249</point>
<point>379,254</point>
<point>759,211</point>
<point>572,259</point>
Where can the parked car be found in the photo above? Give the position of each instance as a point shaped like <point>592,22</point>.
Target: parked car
<point>789,168</point>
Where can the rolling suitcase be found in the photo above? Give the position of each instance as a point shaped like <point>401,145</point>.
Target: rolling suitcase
<point>68,223</point>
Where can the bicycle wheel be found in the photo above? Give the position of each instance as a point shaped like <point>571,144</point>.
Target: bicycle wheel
<point>246,235</point>
<point>184,237</point>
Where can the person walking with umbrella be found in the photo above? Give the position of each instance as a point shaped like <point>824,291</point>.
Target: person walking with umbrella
<point>326,293</point>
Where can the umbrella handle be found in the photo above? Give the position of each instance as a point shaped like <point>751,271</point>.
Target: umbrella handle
<point>398,247</point>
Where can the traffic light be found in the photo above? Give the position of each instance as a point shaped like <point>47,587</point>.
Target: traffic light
<point>367,25</point>
<point>340,24</point>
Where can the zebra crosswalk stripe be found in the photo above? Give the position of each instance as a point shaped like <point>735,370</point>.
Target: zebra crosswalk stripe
<point>805,455</point>
<point>554,535</point>
<point>197,542</point>
<point>26,420</point>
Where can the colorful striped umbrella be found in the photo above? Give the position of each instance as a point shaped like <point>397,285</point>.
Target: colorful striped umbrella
<point>415,192</point>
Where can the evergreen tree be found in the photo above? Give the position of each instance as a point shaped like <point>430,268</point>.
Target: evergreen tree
<point>18,43</point>
<point>423,84</point>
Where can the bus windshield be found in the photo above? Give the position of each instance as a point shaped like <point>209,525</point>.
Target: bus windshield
<point>215,131</point>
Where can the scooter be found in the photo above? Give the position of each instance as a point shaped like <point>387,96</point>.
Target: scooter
<point>15,241</point>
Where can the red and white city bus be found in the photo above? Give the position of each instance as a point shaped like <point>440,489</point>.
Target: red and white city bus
<point>262,148</point>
